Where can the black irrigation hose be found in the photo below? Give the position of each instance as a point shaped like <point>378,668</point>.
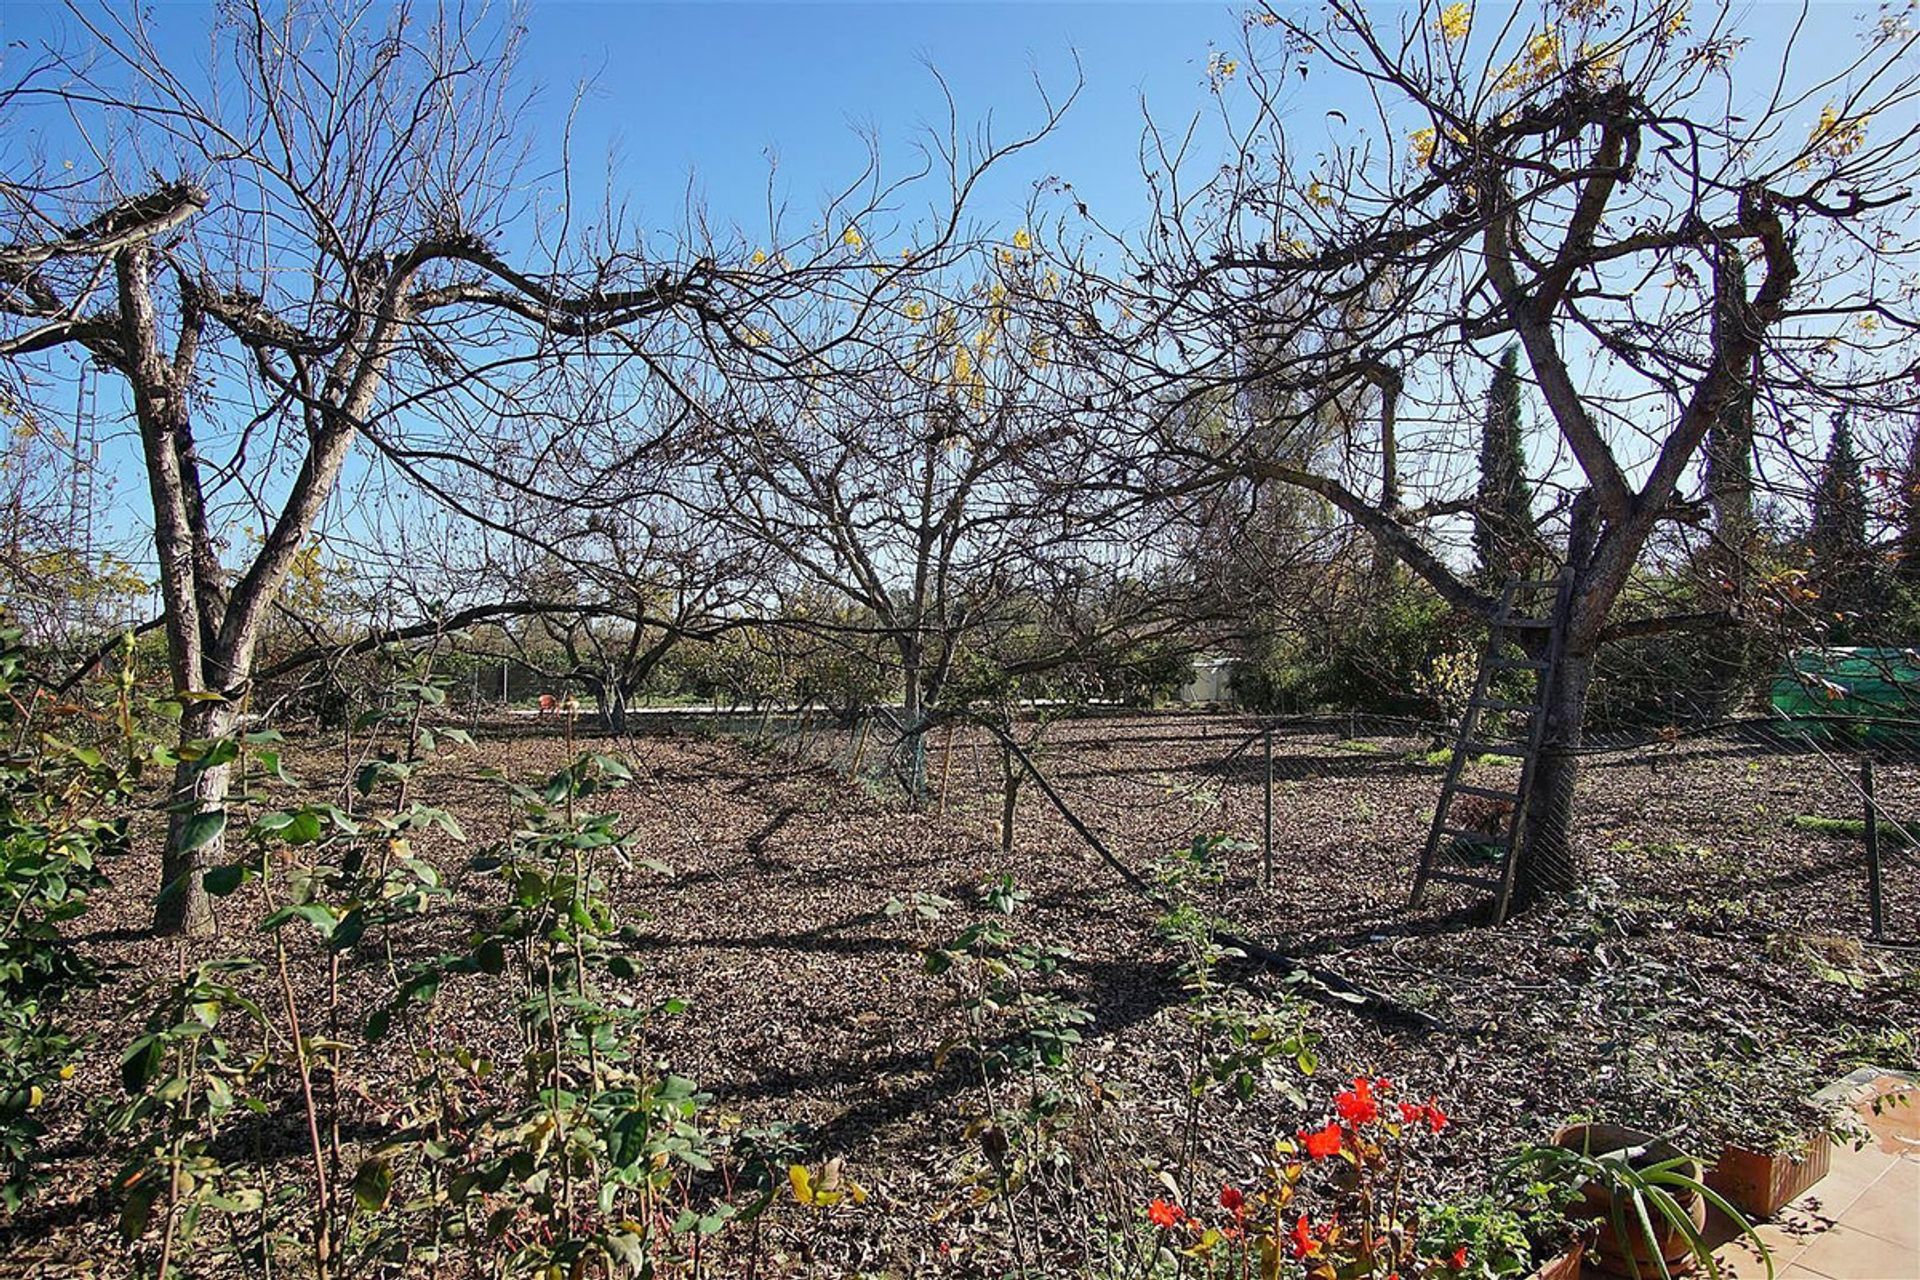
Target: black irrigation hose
<point>1345,993</point>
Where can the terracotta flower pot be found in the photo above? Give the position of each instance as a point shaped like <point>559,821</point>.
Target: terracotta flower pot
<point>1564,1265</point>
<point>1610,1253</point>
<point>1758,1185</point>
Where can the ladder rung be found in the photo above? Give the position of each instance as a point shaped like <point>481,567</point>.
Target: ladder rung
<point>1475,837</point>
<point>1500,704</point>
<point>1487,793</point>
<point>1519,664</point>
<point>1463,877</point>
<point>1474,748</point>
<point>1524,624</point>
<point>1535,584</point>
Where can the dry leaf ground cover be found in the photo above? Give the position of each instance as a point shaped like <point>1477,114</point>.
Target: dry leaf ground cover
<point>1716,921</point>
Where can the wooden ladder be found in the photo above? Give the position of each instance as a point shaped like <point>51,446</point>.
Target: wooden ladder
<point>1538,639</point>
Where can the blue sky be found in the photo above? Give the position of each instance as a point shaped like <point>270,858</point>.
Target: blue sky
<point>706,92</point>
<point>711,89</point>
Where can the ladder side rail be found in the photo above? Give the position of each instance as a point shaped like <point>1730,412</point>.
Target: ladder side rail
<point>1469,720</point>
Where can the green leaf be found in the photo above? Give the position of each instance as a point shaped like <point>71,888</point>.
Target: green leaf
<point>347,933</point>
<point>202,828</point>
<point>373,1185</point>
<point>141,1062</point>
<point>317,914</point>
<point>221,881</point>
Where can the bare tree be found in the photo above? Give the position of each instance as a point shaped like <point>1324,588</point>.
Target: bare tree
<point>324,262</point>
<point>933,479</point>
<point>1578,179</point>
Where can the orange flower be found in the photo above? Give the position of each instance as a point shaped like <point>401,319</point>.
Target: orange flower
<point>1233,1201</point>
<point>1321,1144</point>
<point>1459,1259</point>
<point>1436,1118</point>
<point>1164,1215</point>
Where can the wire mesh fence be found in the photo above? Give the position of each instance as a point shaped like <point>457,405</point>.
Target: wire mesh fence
<point>1753,826</point>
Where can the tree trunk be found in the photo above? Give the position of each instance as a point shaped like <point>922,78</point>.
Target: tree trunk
<point>913,714</point>
<point>610,698</point>
<point>183,905</point>
<point>1548,864</point>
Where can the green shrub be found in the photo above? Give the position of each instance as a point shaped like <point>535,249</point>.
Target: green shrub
<point>62,810</point>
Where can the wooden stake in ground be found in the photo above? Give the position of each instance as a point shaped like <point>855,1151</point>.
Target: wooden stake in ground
<point>1267,822</point>
<point>946,770</point>
<point>859,748</point>
<point>1011,775</point>
<point>1875,907</point>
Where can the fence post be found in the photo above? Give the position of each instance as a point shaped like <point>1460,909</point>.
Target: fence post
<point>1875,907</point>
<point>1266,736</point>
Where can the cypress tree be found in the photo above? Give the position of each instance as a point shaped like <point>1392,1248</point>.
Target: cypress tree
<point>1503,532</point>
<point>1841,561</point>
<point>1906,564</point>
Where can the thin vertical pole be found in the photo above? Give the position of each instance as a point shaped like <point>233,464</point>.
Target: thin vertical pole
<point>946,769</point>
<point>860,747</point>
<point>1266,735</point>
<point>1875,907</point>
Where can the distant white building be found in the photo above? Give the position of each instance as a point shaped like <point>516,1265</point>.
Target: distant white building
<point>1212,680</point>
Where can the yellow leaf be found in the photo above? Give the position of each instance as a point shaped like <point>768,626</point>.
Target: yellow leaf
<point>852,237</point>
<point>759,258</point>
<point>802,1183</point>
<point>1021,240</point>
<point>1455,21</point>
<point>1422,142</point>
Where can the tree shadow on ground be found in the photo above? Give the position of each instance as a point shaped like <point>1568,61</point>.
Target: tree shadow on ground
<point>1118,993</point>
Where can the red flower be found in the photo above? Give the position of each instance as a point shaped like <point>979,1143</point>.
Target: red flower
<point>1358,1106</point>
<point>1233,1201</point>
<point>1300,1241</point>
<point>1164,1215</point>
<point>1459,1259</point>
<point>1321,1144</point>
<point>1429,1112</point>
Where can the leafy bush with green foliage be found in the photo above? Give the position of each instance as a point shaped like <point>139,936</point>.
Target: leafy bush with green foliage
<point>62,812</point>
<point>186,1076</point>
<point>1380,658</point>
